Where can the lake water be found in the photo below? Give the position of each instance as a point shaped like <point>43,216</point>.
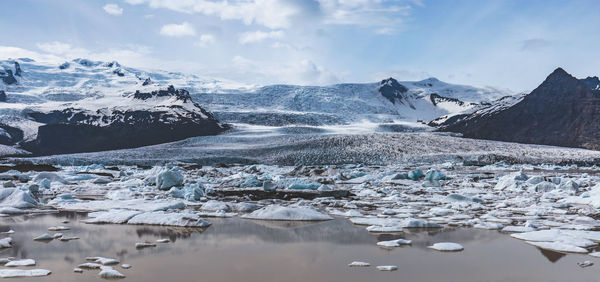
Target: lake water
<point>243,250</point>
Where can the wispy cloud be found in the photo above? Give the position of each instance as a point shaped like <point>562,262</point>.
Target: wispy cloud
<point>258,36</point>
<point>178,30</point>
<point>113,9</point>
<point>205,40</point>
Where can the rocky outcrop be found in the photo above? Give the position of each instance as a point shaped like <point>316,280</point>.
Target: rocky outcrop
<point>75,130</point>
<point>392,90</point>
<point>2,96</point>
<point>7,77</point>
<point>562,111</point>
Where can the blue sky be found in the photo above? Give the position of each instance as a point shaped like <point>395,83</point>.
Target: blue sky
<point>511,44</point>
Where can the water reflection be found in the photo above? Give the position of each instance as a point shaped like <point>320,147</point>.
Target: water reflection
<point>248,250</point>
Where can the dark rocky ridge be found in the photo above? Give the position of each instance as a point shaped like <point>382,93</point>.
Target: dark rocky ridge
<point>74,130</point>
<point>392,90</point>
<point>562,111</point>
<point>2,96</point>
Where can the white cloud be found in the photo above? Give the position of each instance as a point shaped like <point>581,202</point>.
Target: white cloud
<point>206,40</point>
<point>304,72</point>
<point>281,14</point>
<point>178,30</point>
<point>113,9</point>
<point>270,13</point>
<point>258,36</point>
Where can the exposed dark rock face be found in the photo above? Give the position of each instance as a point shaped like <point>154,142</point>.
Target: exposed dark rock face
<point>64,65</point>
<point>592,82</point>
<point>75,130</point>
<point>436,98</point>
<point>146,82</point>
<point>10,135</point>
<point>562,111</point>
<point>119,72</point>
<point>18,70</point>
<point>7,77</point>
<point>179,94</point>
<point>392,90</point>
<point>2,96</point>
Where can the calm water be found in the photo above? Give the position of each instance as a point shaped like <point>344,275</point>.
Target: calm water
<point>242,250</point>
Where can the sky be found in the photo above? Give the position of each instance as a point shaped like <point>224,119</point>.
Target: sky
<point>511,44</point>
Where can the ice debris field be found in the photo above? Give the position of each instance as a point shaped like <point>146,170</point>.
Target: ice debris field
<point>551,207</point>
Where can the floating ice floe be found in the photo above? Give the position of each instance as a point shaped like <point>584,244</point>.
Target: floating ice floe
<point>276,212</point>
<point>220,213</point>
<point>21,262</point>
<point>558,247</point>
<point>595,254</point>
<point>5,242</point>
<point>16,273</point>
<point>108,272</point>
<point>447,247</point>
<point>44,237</point>
<point>394,243</point>
<point>126,266</point>
<point>163,241</point>
<point>169,219</point>
<point>387,267</point>
<point>77,270</point>
<point>359,264</point>
<point>384,229</point>
<point>111,216</point>
<point>583,239</point>
<point>133,204</point>
<point>103,260</point>
<point>517,229</point>
<point>67,238</point>
<point>144,245</point>
<point>90,265</point>
<point>585,263</point>
<point>58,228</point>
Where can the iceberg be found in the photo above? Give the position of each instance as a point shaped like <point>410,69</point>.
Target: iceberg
<point>447,247</point>
<point>15,273</point>
<point>276,212</point>
<point>169,219</point>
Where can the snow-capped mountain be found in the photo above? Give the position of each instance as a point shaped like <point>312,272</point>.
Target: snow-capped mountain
<point>383,102</point>
<point>562,111</point>
<point>83,106</point>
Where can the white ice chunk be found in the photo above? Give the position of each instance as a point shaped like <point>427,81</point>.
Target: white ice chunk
<point>44,237</point>
<point>108,272</point>
<point>90,265</point>
<point>447,247</point>
<point>559,247</point>
<point>111,216</point>
<point>14,273</point>
<point>21,262</point>
<point>103,260</point>
<point>394,243</point>
<point>144,245</point>
<point>58,228</point>
<point>387,267</point>
<point>359,264</point>
<point>6,242</point>
<point>512,228</point>
<point>276,212</point>
<point>169,219</point>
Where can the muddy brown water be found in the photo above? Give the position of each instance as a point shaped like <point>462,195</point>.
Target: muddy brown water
<point>242,250</point>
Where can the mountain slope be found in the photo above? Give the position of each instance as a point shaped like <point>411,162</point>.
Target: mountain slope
<point>383,102</point>
<point>562,111</point>
<point>85,106</point>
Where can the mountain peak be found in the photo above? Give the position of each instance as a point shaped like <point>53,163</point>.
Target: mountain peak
<point>391,89</point>
<point>559,73</point>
